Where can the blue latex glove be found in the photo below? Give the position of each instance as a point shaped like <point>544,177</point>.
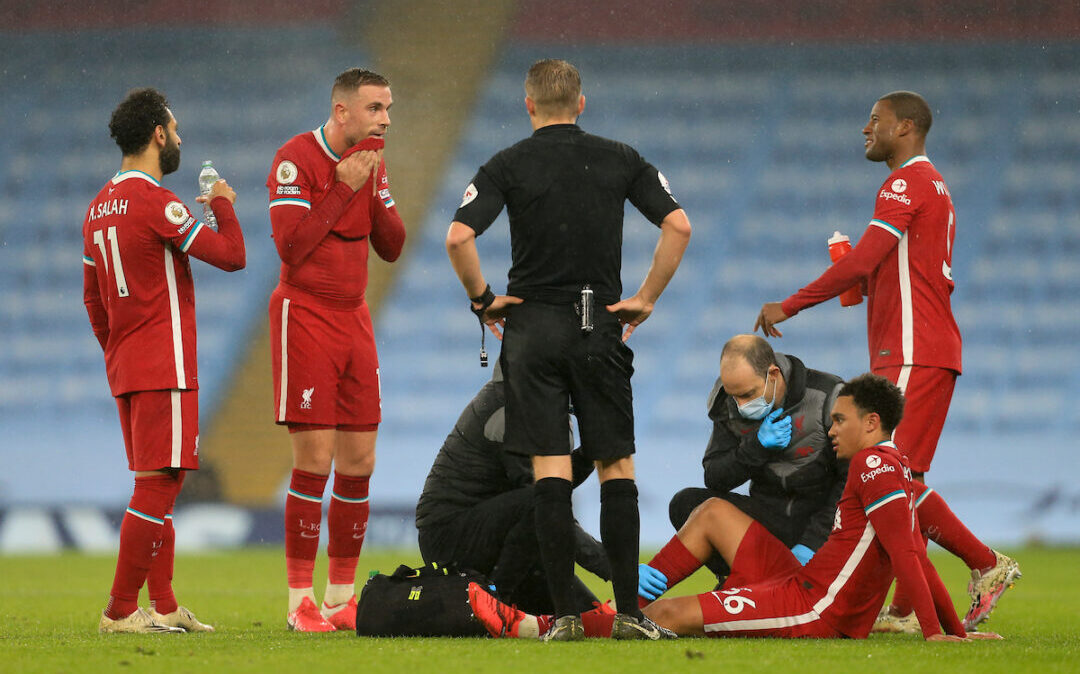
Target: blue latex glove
<point>802,553</point>
<point>773,434</point>
<point>651,583</point>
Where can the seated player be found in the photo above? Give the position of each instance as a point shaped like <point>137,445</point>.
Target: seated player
<point>796,479</point>
<point>838,593</point>
<point>476,510</point>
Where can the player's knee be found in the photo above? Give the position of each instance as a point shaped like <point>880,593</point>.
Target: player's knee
<point>714,512</point>
<point>682,505</point>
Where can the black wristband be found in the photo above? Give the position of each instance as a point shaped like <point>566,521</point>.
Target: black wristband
<point>484,300</point>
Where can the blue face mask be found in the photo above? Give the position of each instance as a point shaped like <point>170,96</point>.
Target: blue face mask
<point>757,408</point>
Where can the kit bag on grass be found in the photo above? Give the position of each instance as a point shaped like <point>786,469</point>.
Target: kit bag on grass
<point>429,601</point>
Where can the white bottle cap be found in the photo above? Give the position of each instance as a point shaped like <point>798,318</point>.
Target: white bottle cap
<point>837,237</point>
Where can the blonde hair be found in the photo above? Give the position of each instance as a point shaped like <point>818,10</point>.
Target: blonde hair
<point>554,85</point>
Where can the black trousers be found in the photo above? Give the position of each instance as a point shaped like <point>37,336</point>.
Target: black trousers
<point>498,539</point>
<point>771,513</point>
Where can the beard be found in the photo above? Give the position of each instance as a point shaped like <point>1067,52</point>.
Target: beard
<point>169,159</point>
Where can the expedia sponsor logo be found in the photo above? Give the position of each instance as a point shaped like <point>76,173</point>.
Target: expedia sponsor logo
<point>288,190</point>
<point>892,196</point>
<point>880,470</point>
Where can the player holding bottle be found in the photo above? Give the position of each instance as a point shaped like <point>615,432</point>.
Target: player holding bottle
<point>904,260</point>
<point>139,294</point>
<point>329,196</point>
<point>838,592</point>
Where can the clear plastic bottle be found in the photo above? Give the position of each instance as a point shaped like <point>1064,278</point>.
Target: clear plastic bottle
<point>207,177</point>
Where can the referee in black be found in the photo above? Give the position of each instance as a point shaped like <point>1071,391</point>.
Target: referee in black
<point>565,191</point>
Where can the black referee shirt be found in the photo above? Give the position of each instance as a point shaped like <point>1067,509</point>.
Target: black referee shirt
<point>564,191</point>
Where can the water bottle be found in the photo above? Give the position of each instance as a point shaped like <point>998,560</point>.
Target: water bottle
<point>207,177</point>
<point>839,246</point>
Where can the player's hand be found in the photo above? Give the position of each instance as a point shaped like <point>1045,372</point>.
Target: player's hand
<point>218,189</point>
<point>775,433</point>
<point>802,553</point>
<point>357,168</point>
<point>981,636</point>
<point>651,583</point>
<point>632,312</point>
<point>771,314</point>
<point>495,315</point>
<point>944,637</point>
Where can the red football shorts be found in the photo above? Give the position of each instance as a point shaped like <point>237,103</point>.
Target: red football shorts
<point>326,369</point>
<point>161,429</point>
<point>927,394</point>
<point>761,597</point>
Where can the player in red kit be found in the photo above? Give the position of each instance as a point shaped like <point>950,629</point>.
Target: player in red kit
<point>904,262</point>
<point>330,197</point>
<point>838,593</point>
<point>139,294</point>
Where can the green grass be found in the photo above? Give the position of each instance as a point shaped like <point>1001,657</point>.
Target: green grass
<point>49,608</point>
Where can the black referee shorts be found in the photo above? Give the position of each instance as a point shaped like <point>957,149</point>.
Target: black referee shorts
<point>548,362</point>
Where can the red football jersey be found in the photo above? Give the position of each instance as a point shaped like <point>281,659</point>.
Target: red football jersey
<point>847,579</point>
<point>135,237</point>
<point>905,257</point>
<point>321,226</point>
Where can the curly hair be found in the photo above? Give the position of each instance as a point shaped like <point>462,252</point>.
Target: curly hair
<point>134,120</point>
<point>873,393</point>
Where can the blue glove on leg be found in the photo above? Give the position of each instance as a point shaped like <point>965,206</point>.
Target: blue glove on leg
<point>651,583</point>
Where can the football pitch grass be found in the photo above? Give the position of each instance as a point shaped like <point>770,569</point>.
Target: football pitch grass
<point>50,605</point>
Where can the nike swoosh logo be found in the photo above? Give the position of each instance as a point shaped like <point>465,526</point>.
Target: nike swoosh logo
<point>358,538</point>
<point>307,535</point>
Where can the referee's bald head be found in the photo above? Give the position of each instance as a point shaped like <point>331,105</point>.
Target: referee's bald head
<point>554,86</point>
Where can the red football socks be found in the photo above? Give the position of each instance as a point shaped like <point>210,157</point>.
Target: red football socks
<point>159,578</point>
<point>675,562</point>
<point>941,525</point>
<point>303,519</point>
<point>347,520</point>
<point>140,532</point>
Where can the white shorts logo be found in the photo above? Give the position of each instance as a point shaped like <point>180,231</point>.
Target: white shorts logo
<point>305,404</point>
<point>176,213</point>
<point>873,461</point>
<point>286,172</point>
<point>470,195</point>
<point>899,185</point>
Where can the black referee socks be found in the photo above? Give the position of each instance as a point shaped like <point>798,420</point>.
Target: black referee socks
<point>554,527</point>
<point>620,526</point>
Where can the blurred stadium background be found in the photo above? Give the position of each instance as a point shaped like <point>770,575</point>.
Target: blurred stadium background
<point>752,109</point>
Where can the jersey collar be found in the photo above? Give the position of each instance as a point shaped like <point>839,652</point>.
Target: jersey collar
<point>888,443</point>
<point>320,138</point>
<point>133,173</point>
<point>915,160</point>
<point>555,128</point>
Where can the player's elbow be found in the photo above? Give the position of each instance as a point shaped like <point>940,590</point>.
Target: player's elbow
<point>677,224</point>
<point>389,250</point>
<point>236,262</point>
<point>459,236</point>
<point>289,254</point>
